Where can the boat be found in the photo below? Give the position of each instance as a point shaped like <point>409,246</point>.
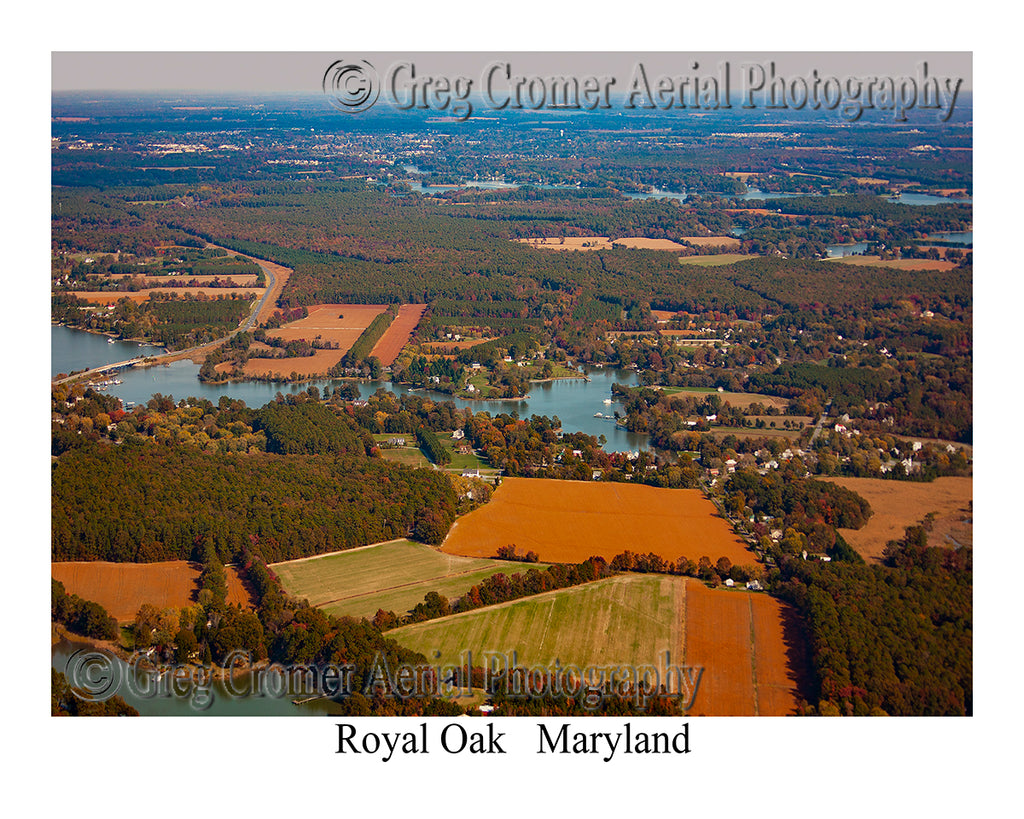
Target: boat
<point>110,341</point>
<point>599,415</point>
<point>607,400</point>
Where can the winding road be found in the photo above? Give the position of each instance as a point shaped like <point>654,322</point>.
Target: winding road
<point>148,361</point>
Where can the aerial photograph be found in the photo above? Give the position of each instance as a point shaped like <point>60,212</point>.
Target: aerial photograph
<point>513,385</point>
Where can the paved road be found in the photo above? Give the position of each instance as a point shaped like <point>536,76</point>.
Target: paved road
<point>818,426</point>
<point>167,358</point>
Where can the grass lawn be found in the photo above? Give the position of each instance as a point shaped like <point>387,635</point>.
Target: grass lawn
<point>469,461</point>
<point>393,576</point>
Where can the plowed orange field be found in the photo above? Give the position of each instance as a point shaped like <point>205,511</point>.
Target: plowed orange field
<point>569,521</point>
<point>896,505</point>
<point>121,588</point>
<point>398,333</point>
<point>750,649</point>
<point>341,323</point>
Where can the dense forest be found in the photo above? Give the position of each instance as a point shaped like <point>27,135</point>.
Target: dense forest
<point>153,502</point>
<point>894,639</point>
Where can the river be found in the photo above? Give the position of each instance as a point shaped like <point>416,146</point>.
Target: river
<point>179,692</point>
<point>575,401</point>
<point>752,194</point>
<point>72,350</point>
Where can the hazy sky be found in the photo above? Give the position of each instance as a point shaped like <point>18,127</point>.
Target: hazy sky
<point>304,71</point>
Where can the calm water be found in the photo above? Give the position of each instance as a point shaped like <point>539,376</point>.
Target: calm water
<point>915,199</point>
<point>757,193</point>
<point>574,401</point>
<point>838,251</point>
<point>186,697</point>
<point>77,350</point>
<point>657,193</point>
<point>964,238</point>
<point>930,199</point>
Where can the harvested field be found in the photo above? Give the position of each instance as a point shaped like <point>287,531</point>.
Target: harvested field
<point>631,619</point>
<point>393,576</point>
<point>340,323</point>
<point>749,645</point>
<point>602,243</point>
<point>445,346</point>
<point>663,316</point>
<point>121,588</point>
<point>641,243</point>
<point>139,296</point>
<point>569,521</point>
<point>711,241</point>
<point>898,504</point>
<point>897,264</point>
<point>180,281</point>
<point>751,648</point>
<point>569,243</point>
<point>762,212</point>
<point>714,260</point>
<point>398,333</point>
<point>317,364</point>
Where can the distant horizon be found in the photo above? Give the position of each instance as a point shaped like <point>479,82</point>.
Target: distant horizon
<point>303,72</point>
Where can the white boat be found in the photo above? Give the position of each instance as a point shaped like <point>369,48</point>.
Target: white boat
<point>607,400</point>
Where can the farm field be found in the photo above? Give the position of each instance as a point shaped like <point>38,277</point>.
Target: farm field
<point>139,296</point>
<point>121,588</point>
<point>339,323</point>
<point>631,619</point>
<point>750,648</point>
<point>601,243</point>
<point>398,333</point>
<point>393,576</point>
<point>898,264</point>
<point>714,259</point>
<point>898,504</point>
<point>720,432</point>
<point>410,455</point>
<point>435,347</point>
<point>569,521</point>
<point>747,643</point>
<point>202,278</point>
<point>736,399</point>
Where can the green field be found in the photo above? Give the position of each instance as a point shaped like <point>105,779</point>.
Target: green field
<point>408,455</point>
<point>392,576</point>
<point>460,462</point>
<point>714,260</point>
<point>630,619</point>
